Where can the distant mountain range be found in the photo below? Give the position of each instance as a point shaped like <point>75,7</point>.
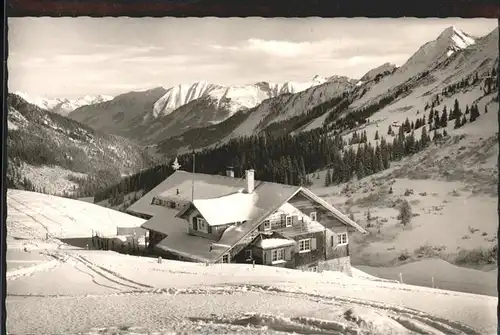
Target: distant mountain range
<point>202,114</point>
<point>63,106</point>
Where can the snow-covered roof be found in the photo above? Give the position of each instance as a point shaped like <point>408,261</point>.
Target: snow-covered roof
<point>270,243</point>
<point>130,231</point>
<point>216,196</point>
<point>165,221</point>
<point>205,187</point>
<point>236,207</point>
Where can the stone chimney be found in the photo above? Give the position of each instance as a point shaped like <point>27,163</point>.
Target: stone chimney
<point>250,180</point>
<point>230,172</point>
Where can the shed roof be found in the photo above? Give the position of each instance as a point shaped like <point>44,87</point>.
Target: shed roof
<point>270,243</point>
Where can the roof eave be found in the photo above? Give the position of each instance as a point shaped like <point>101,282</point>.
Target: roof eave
<point>342,217</point>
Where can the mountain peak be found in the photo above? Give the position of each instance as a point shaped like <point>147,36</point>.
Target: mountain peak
<point>455,38</point>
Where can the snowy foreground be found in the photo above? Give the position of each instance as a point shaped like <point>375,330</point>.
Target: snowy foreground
<point>102,292</point>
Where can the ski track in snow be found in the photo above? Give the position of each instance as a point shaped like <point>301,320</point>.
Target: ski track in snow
<point>238,319</point>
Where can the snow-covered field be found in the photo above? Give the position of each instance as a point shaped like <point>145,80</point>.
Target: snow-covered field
<point>66,290</point>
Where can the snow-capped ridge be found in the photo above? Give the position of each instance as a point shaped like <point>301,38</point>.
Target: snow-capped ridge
<point>63,106</point>
<point>382,69</point>
<point>448,42</point>
<point>232,98</point>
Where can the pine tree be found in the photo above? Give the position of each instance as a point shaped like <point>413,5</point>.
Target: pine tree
<point>389,131</point>
<point>464,120</point>
<point>456,110</point>
<point>424,138</point>
<point>436,136</point>
<point>474,113</point>
<point>405,213</point>
<point>467,109</point>
<point>485,109</point>
<point>175,164</point>
<point>376,135</point>
<point>437,120</point>
<point>458,124</point>
<point>444,119</point>
<point>431,116</point>
<point>328,178</point>
<point>412,126</point>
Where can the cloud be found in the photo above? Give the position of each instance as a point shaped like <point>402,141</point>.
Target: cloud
<point>83,58</point>
<point>168,60</point>
<point>278,48</point>
<point>31,62</point>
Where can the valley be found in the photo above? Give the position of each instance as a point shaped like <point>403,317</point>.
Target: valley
<point>409,152</point>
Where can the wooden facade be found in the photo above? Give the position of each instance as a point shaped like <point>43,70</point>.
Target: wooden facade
<point>333,226</point>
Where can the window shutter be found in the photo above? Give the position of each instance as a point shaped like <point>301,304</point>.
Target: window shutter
<point>288,254</point>
<point>295,220</point>
<point>297,249</point>
<point>209,229</point>
<point>313,244</point>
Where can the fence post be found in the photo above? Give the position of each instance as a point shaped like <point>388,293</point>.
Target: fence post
<point>253,263</point>
<point>433,286</point>
<point>159,259</point>
<point>401,278</point>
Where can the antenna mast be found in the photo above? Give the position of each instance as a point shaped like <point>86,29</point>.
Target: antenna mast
<point>192,186</point>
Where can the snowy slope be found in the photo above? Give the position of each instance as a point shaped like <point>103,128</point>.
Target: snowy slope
<point>287,106</point>
<point>60,286</point>
<point>63,106</point>
<point>33,215</point>
<point>427,56</point>
<point>384,68</point>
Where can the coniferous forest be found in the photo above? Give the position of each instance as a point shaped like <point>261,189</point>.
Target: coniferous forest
<point>290,159</point>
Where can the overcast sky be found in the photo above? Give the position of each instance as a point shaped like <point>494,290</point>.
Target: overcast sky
<point>70,57</point>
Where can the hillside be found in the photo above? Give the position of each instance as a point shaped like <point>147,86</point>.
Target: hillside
<point>51,153</point>
<point>52,280</point>
<point>121,115</point>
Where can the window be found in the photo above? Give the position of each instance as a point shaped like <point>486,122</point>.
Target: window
<point>313,216</point>
<point>313,268</point>
<point>288,221</point>
<point>342,238</point>
<point>225,258</point>
<point>277,255</point>
<point>333,240</point>
<point>267,225</point>
<point>305,245</point>
<point>248,254</point>
<point>201,224</point>
<point>283,220</point>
